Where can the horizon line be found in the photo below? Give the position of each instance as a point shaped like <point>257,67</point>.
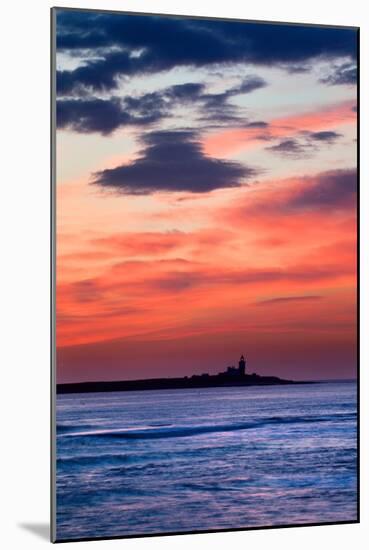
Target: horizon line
<point>354,379</point>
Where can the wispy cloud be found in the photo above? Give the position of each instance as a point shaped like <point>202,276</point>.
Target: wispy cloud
<point>304,143</point>
<point>343,74</point>
<point>302,127</point>
<point>88,114</point>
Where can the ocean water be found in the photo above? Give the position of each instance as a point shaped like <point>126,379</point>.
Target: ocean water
<point>133,463</point>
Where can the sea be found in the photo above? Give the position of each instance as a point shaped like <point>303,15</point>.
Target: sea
<point>187,460</point>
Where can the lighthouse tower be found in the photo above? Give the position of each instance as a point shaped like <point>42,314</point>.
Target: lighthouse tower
<point>242,366</point>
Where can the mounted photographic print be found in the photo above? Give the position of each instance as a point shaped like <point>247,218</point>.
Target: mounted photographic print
<point>204,274</point>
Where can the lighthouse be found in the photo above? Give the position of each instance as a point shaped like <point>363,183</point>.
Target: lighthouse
<point>242,366</point>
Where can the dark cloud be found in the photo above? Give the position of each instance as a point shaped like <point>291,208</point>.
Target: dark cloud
<point>173,161</point>
<point>330,190</point>
<point>304,144</point>
<point>326,192</point>
<point>292,148</point>
<point>327,136</point>
<point>96,74</point>
<point>216,108</point>
<point>135,44</point>
<point>185,92</point>
<point>106,115</point>
<point>345,74</point>
<point>257,124</point>
<point>215,105</point>
<point>248,85</point>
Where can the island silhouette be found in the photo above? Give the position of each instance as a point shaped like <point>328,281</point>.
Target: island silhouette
<point>233,376</point>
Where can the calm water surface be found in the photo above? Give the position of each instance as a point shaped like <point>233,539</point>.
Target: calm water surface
<point>185,460</point>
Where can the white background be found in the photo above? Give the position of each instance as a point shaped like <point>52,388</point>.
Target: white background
<point>24,254</point>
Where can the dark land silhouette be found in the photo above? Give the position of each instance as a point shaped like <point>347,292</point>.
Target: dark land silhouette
<point>233,376</point>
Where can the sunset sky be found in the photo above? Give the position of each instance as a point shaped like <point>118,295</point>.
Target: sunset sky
<point>206,197</point>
